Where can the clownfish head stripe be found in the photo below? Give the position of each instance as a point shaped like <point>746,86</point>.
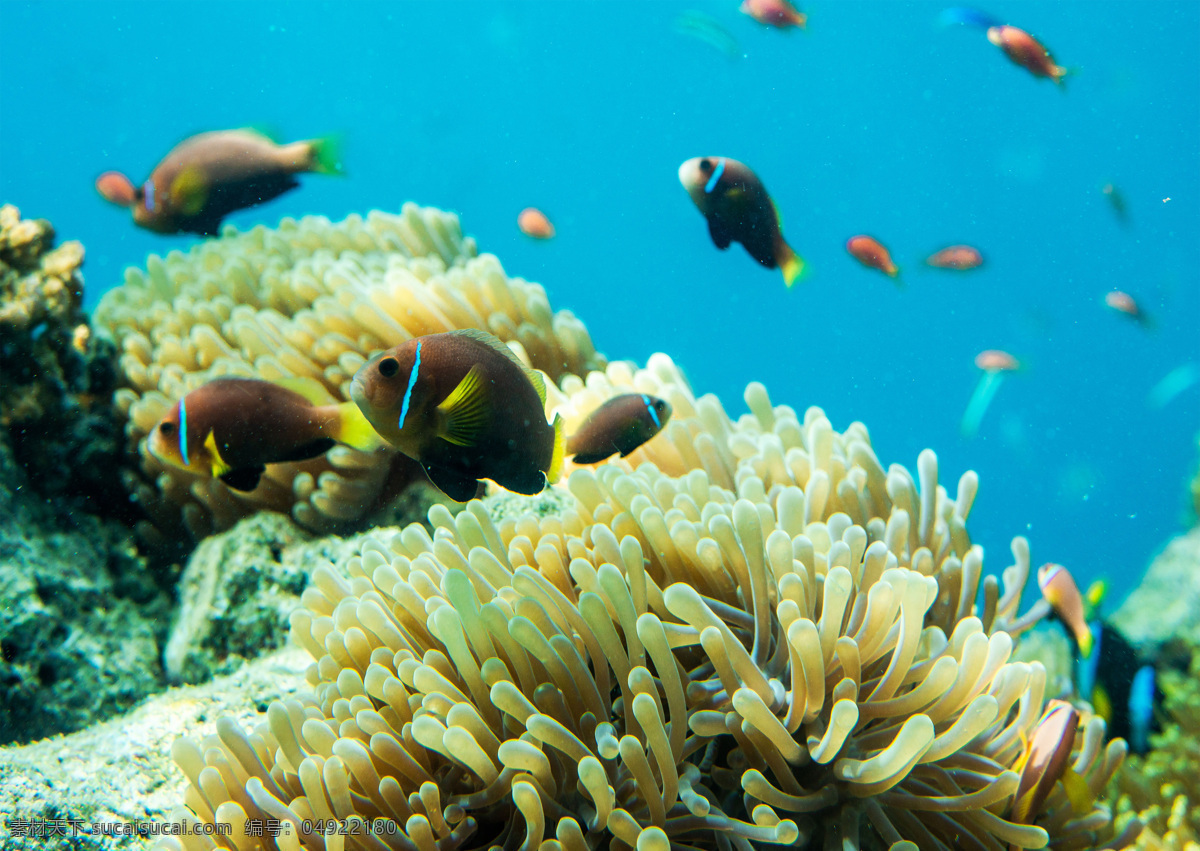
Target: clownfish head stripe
<point>716,176</point>
<point>1044,581</point>
<point>412,381</point>
<point>653,413</point>
<point>148,194</point>
<point>183,447</point>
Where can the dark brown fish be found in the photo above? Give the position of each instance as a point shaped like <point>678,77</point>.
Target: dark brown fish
<point>738,209</point>
<point>231,428</point>
<point>210,175</point>
<point>621,424</point>
<point>462,405</point>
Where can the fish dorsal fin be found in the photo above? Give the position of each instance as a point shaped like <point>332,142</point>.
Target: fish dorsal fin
<point>265,131</point>
<point>189,191</point>
<point>497,345</point>
<point>311,389</point>
<point>464,414</point>
<point>219,465</point>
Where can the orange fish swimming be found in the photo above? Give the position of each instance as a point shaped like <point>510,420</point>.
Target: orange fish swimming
<point>738,209</point>
<point>775,13</point>
<point>1061,592</point>
<point>1026,51</point>
<point>870,252</point>
<point>1045,763</point>
<point>996,360</point>
<point>994,363</point>
<point>533,222</point>
<point>206,177</point>
<point>1125,303</point>
<point>957,257</point>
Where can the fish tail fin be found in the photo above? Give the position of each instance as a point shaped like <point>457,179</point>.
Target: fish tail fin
<point>559,452</point>
<point>325,155</point>
<point>1077,790</point>
<point>791,265</point>
<point>352,428</point>
<point>115,188</point>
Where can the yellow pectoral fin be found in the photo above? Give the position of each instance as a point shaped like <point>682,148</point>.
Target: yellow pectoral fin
<point>353,429</point>
<point>219,465</point>
<point>1078,793</point>
<point>560,451</point>
<point>465,413</point>
<point>189,191</point>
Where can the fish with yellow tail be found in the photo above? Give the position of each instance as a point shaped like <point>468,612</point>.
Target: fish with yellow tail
<point>1061,592</point>
<point>621,424</point>
<point>208,176</point>
<point>231,428</point>
<point>738,209</point>
<point>1044,763</point>
<point>463,406</point>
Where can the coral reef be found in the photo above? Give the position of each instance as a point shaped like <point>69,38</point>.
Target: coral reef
<point>1194,487</point>
<point>82,615</point>
<point>56,377</point>
<point>1162,789</point>
<point>767,638</point>
<point>311,298</point>
<point>1165,606</point>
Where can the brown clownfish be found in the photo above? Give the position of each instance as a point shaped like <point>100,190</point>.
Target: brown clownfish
<point>738,209</point>
<point>208,176</point>
<point>621,424</point>
<point>231,428</point>
<point>463,406</point>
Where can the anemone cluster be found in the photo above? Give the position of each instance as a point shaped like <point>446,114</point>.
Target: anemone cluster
<point>748,633</point>
<point>313,299</point>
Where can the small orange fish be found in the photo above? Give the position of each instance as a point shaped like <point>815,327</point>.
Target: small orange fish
<point>958,257</point>
<point>1045,763</point>
<point>1026,51</point>
<point>996,360</point>
<point>1061,592</point>
<point>774,13</point>
<point>533,222</point>
<point>1125,303</point>
<point>208,176</point>
<point>871,253</point>
<point>621,424</point>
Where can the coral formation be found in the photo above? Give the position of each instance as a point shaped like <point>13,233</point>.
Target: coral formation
<point>1165,606</point>
<point>762,636</point>
<point>1162,789</point>
<point>56,377</point>
<point>313,299</point>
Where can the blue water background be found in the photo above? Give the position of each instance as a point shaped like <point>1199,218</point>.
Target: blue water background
<point>874,120</point>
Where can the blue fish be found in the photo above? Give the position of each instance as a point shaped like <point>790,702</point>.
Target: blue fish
<point>1142,693</point>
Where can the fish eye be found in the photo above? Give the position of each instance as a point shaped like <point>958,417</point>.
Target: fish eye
<point>167,428</point>
<point>389,367</point>
<point>706,166</point>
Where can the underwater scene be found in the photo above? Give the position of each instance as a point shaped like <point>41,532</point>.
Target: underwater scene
<point>709,425</point>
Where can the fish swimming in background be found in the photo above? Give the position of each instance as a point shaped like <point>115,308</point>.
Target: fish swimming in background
<point>775,13</point>
<point>621,424</point>
<point>738,209</point>
<point>1115,681</point>
<point>463,406</point>
<point>1061,592</point>
<point>208,176</point>
<point>1123,302</point>
<point>957,257</point>
<point>707,29</point>
<point>231,428</point>
<point>1026,51</point>
<point>1116,201</point>
<point>870,252</point>
<point>994,363</point>
<point>1045,762</point>
<point>533,222</point>
<point>1177,381</point>
<point>1143,693</point>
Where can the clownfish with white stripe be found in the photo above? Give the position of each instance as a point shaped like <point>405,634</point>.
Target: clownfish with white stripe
<point>621,424</point>
<point>463,406</point>
<point>231,428</point>
<point>738,209</point>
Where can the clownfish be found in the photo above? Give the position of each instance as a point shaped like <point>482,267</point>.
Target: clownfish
<point>231,428</point>
<point>1045,763</point>
<point>957,257</point>
<point>533,223</point>
<point>774,13</point>
<point>738,209</point>
<point>1026,51</point>
<point>1121,689</point>
<point>208,176</point>
<point>463,406</point>
<point>870,252</point>
<point>1123,302</point>
<point>621,424</point>
<point>1061,592</point>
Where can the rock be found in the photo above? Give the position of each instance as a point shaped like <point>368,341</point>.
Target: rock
<point>1166,603</point>
<point>120,771</point>
<point>80,633</point>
